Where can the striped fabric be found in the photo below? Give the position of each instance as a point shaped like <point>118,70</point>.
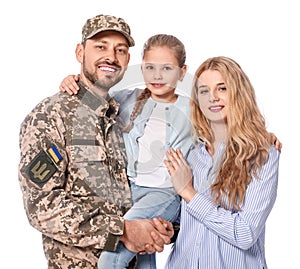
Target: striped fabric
<point>214,238</point>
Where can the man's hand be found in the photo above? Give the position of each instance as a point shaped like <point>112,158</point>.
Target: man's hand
<point>165,229</point>
<point>141,236</point>
<point>166,232</point>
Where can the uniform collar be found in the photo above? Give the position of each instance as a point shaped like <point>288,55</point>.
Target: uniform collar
<point>102,107</point>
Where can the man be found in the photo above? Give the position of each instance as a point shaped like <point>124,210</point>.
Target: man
<point>72,168</point>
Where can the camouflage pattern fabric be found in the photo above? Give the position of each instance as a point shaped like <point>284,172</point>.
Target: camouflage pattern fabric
<point>102,23</point>
<point>72,176</point>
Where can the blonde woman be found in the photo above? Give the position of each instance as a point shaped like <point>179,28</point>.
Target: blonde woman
<point>229,182</point>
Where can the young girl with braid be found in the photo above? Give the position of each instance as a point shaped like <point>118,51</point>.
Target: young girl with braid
<point>154,119</point>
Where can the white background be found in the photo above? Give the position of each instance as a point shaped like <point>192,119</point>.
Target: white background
<point>38,40</point>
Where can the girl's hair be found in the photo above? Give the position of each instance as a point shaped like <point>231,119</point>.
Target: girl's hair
<point>159,40</point>
<point>247,138</point>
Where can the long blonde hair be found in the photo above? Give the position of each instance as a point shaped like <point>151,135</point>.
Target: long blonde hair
<point>159,40</point>
<point>247,138</point>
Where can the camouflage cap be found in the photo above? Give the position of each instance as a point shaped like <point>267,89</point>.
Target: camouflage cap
<point>102,23</point>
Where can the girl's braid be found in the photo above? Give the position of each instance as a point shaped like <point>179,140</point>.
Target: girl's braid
<point>138,107</point>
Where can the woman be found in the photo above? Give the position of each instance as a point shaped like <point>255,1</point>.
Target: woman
<point>229,183</point>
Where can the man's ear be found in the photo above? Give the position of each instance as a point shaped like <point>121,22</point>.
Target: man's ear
<point>79,52</point>
<point>128,60</point>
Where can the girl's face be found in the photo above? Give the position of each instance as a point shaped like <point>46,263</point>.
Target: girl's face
<point>161,73</point>
<point>212,96</point>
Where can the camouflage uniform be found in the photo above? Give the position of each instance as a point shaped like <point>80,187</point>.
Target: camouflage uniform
<point>72,175</point>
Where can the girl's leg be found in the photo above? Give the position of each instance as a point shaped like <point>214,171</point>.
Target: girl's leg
<point>149,203</point>
<point>118,259</point>
<point>146,261</point>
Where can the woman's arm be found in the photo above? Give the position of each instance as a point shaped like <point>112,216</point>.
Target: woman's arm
<point>240,228</point>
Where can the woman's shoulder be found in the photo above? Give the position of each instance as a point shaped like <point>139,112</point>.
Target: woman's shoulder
<point>273,153</point>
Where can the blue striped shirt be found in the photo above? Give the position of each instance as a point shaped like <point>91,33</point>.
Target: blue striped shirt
<point>212,237</point>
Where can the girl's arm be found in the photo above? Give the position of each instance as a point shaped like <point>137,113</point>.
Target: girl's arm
<point>69,84</point>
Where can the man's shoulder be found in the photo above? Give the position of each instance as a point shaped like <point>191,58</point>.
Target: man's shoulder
<point>55,101</point>
<point>48,106</point>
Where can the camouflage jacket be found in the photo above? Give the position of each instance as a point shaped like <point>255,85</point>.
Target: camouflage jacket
<point>73,178</point>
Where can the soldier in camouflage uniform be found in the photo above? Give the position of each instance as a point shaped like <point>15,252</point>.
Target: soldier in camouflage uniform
<point>72,167</point>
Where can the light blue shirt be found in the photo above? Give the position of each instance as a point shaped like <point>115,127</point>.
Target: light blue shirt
<point>212,237</point>
<point>178,126</point>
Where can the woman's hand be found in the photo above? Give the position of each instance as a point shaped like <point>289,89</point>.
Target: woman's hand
<point>69,84</point>
<point>181,174</point>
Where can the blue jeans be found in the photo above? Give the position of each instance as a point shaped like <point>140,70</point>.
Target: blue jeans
<point>148,203</point>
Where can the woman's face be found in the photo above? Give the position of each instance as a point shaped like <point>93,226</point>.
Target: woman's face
<point>212,96</point>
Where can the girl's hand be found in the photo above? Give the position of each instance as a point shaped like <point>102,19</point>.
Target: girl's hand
<point>69,84</point>
<point>181,174</point>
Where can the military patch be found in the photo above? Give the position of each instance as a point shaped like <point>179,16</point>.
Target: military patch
<point>41,168</point>
<point>54,154</point>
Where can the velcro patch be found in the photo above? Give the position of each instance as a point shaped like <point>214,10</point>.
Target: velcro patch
<point>41,168</point>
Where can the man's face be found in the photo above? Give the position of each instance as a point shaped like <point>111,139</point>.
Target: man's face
<point>104,60</point>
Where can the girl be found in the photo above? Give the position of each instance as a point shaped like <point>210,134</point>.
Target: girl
<point>230,187</point>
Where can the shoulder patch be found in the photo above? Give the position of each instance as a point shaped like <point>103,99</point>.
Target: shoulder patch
<point>41,168</point>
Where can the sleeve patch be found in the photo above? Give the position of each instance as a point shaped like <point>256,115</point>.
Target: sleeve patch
<point>41,168</point>
<point>55,155</point>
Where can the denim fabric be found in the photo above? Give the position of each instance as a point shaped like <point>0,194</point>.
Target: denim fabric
<point>178,125</point>
<point>147,203</point>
